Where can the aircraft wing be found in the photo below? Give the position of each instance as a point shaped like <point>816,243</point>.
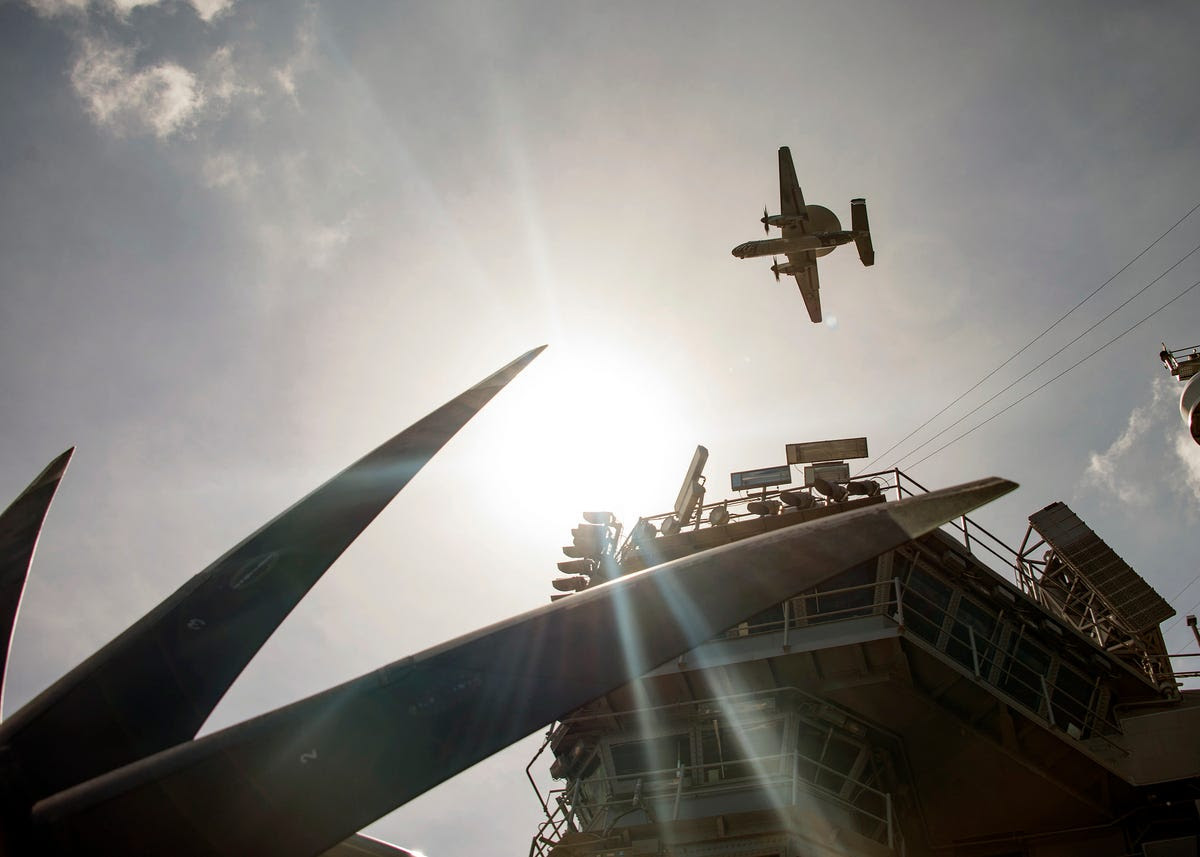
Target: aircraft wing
<point>300,779</point>
<point>20,525</point>
<point>154,685</point>
<point>809,283</point>
<point>791,200</point>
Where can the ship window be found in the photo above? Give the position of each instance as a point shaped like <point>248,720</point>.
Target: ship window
<point>925,601</point>
<point>844,596</point>
<point>972,621</point>
<point>1026,667</point>
<point>731,752</point>
<point>651,760</point>
<point>1070,696</point>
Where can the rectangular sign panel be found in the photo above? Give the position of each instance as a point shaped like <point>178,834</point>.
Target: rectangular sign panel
<point>839,472</point>
<point>761,478</point>
<point>827,450</point>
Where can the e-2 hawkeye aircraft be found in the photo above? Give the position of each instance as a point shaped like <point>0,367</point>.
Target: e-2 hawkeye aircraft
<point>809,231</point>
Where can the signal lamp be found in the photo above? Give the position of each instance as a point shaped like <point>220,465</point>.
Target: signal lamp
<point>763,508</point>
<point>643,531</point>
<point>831,490</point>
<point>798,499</point>
<point>577,566</point>
<point>718,516</point>
<point>865,487</point>
<point>670,526</point>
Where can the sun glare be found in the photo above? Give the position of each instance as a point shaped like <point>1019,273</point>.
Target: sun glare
<point>592,426</point>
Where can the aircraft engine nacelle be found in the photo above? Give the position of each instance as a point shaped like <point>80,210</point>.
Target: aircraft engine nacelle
<point>1189,407</point>
<point>783,268</point>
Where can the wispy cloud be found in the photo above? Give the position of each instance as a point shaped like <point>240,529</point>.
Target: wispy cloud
<point>1152,452</point>
<point>1188,453</point>
<point>1105,469</point>
<point>161,99</point>
<point>206,10</point>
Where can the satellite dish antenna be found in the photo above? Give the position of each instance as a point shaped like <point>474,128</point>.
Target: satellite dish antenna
<point>691,494</point>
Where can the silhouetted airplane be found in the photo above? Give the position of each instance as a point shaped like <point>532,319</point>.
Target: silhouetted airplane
<point>106,762</point>
<point>809,231</point>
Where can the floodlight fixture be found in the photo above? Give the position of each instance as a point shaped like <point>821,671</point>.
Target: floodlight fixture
<point>577,566</point>
<point>763,508</point>
<point>718,516</point>
<point>604,519</point>
<point>798,499</point>
<point>670,525</point>
<point>864,488</point>
<point>643,531</point>
<point>831,490</point>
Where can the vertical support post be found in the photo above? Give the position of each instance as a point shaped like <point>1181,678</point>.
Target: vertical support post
<point>787,622</point>
<point>966,534</point>
<point>974,650</point>
<point>890,830</point>
<point>899,604</point>
<point>1046,696</point>
<point>795,775</point>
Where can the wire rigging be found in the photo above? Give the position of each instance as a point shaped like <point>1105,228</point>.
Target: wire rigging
<point>1060,374</point>
<point>1046,360</point>
<point>1022,350</point>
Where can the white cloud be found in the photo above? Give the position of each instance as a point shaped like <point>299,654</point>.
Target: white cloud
<point>228,170</point>
<point>1188,453</point>
<point>324,242</point>
<point>50,8</point>
<point>1153,451</point>
<point>1103,467</point>
<point>163,98</point>
<point>209,9</point>
<point>206,10</point>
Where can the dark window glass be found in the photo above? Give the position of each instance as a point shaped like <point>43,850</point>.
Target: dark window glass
<point>828,605</point>
<point>925,601</point>
<point>1027,665</point>
<point>1070,695</point>
<point>727,750</point>
<point>971,618</point>
<point>637,759</point>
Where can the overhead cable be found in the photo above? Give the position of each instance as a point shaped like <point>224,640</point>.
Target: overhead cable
<point>1046,360</point>
<point>1059,375</point>
<point>1023,348</point>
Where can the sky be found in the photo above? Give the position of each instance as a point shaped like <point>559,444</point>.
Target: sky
<point>242,243</point>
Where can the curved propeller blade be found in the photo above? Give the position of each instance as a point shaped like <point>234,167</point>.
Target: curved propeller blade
<point>301,778</point>
<point>775,268</point>
<point>154,685</point>
<point>766,226</point>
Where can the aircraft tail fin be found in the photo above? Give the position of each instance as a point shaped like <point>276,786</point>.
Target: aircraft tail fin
<point>862,231</point>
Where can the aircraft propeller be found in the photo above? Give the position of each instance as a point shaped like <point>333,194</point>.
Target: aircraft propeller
<point>775,268</point>
<point>766,225</point>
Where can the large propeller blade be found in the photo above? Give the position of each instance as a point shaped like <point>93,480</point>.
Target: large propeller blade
<point>765,223</point>
<point>775,268</point>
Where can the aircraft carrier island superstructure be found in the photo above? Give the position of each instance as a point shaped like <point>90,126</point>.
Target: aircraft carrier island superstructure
<point>955,696</point>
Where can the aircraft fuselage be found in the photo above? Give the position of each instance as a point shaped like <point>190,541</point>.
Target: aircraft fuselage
<point>815,241</point>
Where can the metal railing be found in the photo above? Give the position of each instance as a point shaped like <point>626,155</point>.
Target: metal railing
<point>894,481</point>
<point>667,789</point>
<point>1000,659</point>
